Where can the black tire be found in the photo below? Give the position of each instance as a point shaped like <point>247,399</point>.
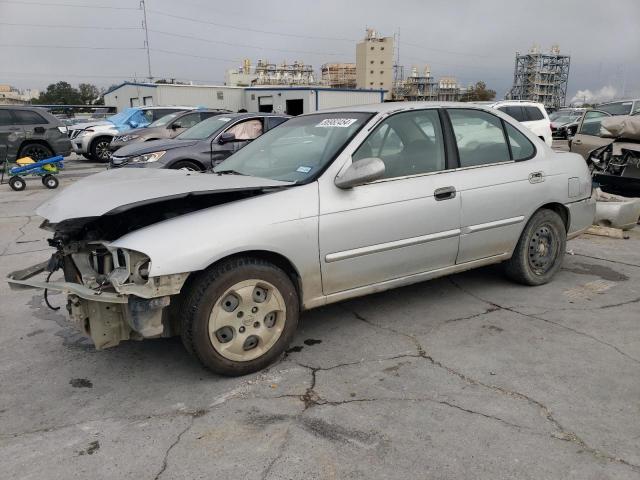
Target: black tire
<point>99,149</point>
<point>88,157</point>
<point>50,181</point>
<point>540,250</point>
<point>203,293</point>
<point>36,151</point>
<point>186,165</point>
<point>17,183</point>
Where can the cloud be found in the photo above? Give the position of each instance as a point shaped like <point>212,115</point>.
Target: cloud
<point>587,96</point>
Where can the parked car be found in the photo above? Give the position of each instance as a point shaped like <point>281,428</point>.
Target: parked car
<point>31,132</point>
<point>531,114</point>
<point>564,122</point>
<point>169,126</point>
<point>620,107</point>
<point>202,146</point>
<point>327,206</point>
<point>91,139</point>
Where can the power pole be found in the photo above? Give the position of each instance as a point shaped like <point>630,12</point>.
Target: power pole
<point>143,6</point>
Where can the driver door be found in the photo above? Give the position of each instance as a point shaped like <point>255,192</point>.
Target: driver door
<point>244,131</point>
<point>401,225</point>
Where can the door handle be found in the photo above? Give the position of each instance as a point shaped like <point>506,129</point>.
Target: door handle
<point>444,193</point>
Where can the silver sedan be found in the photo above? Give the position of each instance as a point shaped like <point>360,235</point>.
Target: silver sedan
<point>328,206</point>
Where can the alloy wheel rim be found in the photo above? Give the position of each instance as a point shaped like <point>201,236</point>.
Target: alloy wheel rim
<point>247,320</point>
<point>543,249</point>
<point>103,150</point>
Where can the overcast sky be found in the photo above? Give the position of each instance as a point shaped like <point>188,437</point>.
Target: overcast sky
<point>472,40</point>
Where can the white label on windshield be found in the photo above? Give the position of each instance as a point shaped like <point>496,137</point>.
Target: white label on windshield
<point>224,119</point>
<point>337,122</point>
<point>303,169</point>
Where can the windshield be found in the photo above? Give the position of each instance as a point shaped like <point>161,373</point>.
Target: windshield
<point>205,129</point>
<point>562,119</point>
<point>162,121</point>
<point>299,148</point>
<point>617,108</point>
<point>120,118</point>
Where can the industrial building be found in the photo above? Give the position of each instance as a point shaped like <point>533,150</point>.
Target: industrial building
<point>541,77</point>
<point>265,73</point>
<point>374,62</point>
<point>338,75</point>
<point>282,99</point>
<point>424,87</point>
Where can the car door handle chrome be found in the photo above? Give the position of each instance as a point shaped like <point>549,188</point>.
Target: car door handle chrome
<point>444,193</point>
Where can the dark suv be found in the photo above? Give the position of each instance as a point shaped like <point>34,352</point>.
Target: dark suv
<point>31,132</point>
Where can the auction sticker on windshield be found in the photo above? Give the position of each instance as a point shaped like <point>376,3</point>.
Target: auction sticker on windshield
<point>224,119</point>
<point>337,122</point>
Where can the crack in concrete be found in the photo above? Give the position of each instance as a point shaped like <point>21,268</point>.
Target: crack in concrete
<point>560,325</point>
<point>165,460</point>
<point>22,234</point>
<point>281,450</point>
<point>606,260</point>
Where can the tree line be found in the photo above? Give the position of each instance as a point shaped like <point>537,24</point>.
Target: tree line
<point>63,93</point>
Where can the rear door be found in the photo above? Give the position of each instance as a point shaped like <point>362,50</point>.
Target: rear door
<point>10,135</point>
<point>496,183</point>
<point>588,136</point>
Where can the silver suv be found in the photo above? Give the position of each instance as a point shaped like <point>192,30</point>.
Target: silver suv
<point>92,139</point>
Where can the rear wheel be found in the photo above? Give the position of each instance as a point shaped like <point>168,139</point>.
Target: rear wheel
<point>99,149</point>
<point>540,250</point>
<point>36,151</point>
<point>50,181</point>
<point>17,183</point>
<point>239,316</point>
<point>186,165</point>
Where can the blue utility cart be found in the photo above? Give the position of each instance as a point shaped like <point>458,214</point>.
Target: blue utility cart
<point>46,169</point>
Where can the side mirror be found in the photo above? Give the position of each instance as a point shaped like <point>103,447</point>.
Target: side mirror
<point>175,126</point>
<point>361,172</point>
<point>226,137</point>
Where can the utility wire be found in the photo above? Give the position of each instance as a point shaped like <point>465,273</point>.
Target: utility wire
<point>195,56</point>
<point>42,4</point>
<point>233,27</point>
<point>232,44</point>
<point>75,47</point>
<point>89,27</point>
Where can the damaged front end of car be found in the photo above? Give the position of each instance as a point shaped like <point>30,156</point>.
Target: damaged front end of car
<point>110,296</point>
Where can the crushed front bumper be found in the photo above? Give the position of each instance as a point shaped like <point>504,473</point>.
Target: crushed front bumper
<point>109,317</point>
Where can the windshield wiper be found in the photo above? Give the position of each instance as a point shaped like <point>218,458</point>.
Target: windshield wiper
<point>229,172</point>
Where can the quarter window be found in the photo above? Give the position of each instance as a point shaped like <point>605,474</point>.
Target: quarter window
<point>408,143</point>
<point>515,112</point>
<point>533,113</point>
<point>479,136</point>
<point>5,117</point>
<point>521,147</point>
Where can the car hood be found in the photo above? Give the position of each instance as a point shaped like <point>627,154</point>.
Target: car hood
<point>83,126</point>
<point>153,146</point>
<point>114,191</point>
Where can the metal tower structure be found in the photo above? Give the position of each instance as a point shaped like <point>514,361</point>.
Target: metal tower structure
<point>541,77</point>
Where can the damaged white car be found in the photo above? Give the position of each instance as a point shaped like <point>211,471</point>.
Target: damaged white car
<point>326,207</point>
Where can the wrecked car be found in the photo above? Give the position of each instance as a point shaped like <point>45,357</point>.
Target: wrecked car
<point>328,206</point>
<point>616,165</point>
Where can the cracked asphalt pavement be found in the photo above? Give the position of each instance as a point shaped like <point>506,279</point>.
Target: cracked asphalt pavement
<point>468,376</point>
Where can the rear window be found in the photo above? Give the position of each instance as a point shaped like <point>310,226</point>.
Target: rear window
<point>616,108</point>
<point>533,113</point>
<point>28,117</point>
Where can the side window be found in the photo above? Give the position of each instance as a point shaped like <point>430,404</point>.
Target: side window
<point>5,117</point>
<point>275,121</point>
<point>521,147</point>
<point>247,130</point>
<point>27,117</point>
<point>156,113</point>
<point>515,112</point>
<point>534,113</point>
<point>408,143</point>
<point>591,123</point>
<point>636,108</point>
<point>187,121</point>
<point>479,136</point>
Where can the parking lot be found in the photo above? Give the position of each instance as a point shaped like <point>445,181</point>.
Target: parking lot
<point>469,376</point>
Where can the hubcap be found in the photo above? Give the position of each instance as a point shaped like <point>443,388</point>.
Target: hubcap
<point>543,249</point>
<point>247,320</point>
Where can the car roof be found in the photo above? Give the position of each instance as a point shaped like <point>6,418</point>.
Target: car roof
<point>399,106</point>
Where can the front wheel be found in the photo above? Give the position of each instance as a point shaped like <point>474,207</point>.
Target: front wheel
<point>186,165</point>
<point>99,149</point>
<point>50,181</point>
<point>239,315</point>
<point>17,183</point>
<point>539,253</point>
